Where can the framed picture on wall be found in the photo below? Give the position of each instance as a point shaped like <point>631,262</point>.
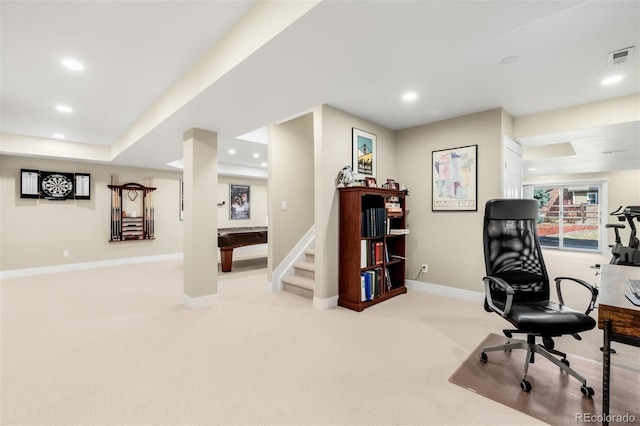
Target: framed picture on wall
<point>181,200</point>
<point>364,153</point>
<point>239,206</point>
<point>455,179</point>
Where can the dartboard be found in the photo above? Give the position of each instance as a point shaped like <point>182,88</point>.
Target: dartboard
<point>57,185</point>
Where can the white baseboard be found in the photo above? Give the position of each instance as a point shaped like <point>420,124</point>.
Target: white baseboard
<point>86,265</point>
<point>456,293</point>
<point>202,301</point>
<point>270,286</point>
<point>324,304</point>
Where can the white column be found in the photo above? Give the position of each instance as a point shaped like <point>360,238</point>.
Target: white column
<point>200,174</point>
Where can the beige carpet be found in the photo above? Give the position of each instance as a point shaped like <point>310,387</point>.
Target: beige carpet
<point>116,346</point>
<point>555,397</point>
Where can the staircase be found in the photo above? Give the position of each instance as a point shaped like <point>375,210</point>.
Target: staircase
<point>303,280</point>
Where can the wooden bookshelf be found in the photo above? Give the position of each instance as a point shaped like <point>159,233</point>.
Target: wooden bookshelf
<point>371,243</point>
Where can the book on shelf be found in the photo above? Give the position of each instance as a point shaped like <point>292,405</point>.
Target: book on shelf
<point>373,222</point>
<point>371,253</point>
<point>387,276</point>
<point>370,284</point>
<point>403,231</point>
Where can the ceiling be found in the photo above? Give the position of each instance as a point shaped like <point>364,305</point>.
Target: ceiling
<point>358,56</point>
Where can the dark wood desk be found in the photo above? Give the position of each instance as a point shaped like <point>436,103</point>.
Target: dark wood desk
<point>618,317</point>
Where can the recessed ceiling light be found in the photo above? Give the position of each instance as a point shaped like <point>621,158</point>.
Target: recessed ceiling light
<point>232,151</point>
<point>256,155</point>
<point>612,80</point>
<point>58,135</point>
<point>72,64</point>
<point>263,164</point>
<point>409,96</point>
<point>531,169</point>
<point>64,108</point>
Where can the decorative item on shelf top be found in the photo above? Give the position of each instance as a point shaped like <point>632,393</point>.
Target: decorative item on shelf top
<point>390,184</point>
<point>345,178</point>
<point>54,185</point>
<point>126,225</point>
<point>371,182</point>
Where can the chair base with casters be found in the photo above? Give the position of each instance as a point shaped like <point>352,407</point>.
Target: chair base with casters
<point>533,348</point>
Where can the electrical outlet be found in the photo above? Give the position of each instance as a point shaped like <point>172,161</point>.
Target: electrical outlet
<point>425,268</point>
<point>65,253</point>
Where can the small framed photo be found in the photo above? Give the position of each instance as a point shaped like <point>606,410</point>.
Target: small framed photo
<point>371,182</point>
<point>391,184</point>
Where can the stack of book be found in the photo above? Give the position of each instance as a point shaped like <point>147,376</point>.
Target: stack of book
<point>393,209</point>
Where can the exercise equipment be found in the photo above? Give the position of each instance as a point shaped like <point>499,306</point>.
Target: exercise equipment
<point>630,254</point>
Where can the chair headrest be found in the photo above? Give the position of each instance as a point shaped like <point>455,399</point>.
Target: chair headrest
<point>511,209</point>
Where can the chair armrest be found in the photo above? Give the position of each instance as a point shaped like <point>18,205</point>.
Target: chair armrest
<point>505,287</point>
<point>592,289</point>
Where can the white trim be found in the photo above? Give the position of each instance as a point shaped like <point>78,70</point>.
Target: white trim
<point>511,145</point>
<point>270,287</point>
<point>324,304</point>
<point>456,293</point>
<point>87,265</point>
<point>286,266</point>
<point>561,182</point>
<point>202,301</point>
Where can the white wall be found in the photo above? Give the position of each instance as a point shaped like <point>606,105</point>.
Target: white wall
<point>332,134</point>
<point>258,202</point>
<point>291,175</point>
<point>449,242</point>
<point>34,233</point>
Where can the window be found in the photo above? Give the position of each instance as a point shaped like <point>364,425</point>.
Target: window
<point>570,216</point>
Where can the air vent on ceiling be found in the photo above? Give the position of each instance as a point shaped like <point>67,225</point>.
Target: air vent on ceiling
<point>621,56</point>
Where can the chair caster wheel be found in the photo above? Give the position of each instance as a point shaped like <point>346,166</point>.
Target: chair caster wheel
<point>565,362</point>
<point>587,391</point>
<point>525,385</point>
<point>483,357</point>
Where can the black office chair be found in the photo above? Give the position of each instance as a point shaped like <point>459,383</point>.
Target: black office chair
<point>517,287</point>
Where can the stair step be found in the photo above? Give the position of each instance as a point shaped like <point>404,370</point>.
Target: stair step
<point>310,252</point>
<point>298,281</point>
<point>305,266</point>
<point>305,269</point>
<point>298,285</point>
